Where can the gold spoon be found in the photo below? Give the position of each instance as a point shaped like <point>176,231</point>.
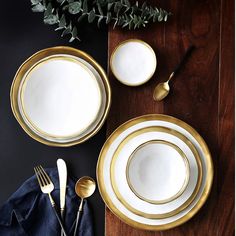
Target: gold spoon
<point>84,188</point>
<point>163,89</point>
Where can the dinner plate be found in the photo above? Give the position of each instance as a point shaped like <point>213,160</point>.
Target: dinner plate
<point>120,182</point>
<point>60,96</point>
<point>104,177</point>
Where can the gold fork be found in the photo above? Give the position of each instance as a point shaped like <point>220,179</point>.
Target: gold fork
<point>47,187</point>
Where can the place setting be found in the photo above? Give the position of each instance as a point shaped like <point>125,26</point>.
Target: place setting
<point>154,172</point>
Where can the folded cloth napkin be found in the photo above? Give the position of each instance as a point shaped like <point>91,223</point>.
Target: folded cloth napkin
<point>29,212</point>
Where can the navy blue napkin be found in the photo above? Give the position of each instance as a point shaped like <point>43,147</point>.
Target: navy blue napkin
<point>29,212</point>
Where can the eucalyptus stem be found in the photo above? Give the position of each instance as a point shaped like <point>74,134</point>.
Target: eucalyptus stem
<point>67,14</point>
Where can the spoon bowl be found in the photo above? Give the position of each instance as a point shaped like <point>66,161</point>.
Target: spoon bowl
<point>161,91</point>
<point>84,188</point>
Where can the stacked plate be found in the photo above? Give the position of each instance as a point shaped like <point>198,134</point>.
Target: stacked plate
<point>60,96</point>
<point>155,172</point>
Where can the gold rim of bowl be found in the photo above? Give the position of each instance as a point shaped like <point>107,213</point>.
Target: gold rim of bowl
<point>122,44</point>
<point>164,130</point>
<point>186,180</point>
<point>28,64</point>
<point>206,188</point>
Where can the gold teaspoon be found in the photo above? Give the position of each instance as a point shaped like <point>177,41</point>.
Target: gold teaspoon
<point>163,89</point>
<point>84,188</point>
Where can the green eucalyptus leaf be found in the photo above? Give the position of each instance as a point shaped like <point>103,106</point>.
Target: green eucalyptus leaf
<point>125,24</point>
<point>74,7</point>
<point>74,32</point>
<point>127,3</point>
<point>85,6</point>
<point>61,1</point>
<point>109,6</point>
<point>38,8</point>
<point>117,7</point>
<point>91,16</point>
<point>108,20</point>
<point>65,32</point>
<point>34,2</point>
<point>51,19</point>
<point>62,22</point>
<point>100,9</point>
<point>144,6</point>
<point>99,21</point>
<point>71,39</point>
<point>48,10</point>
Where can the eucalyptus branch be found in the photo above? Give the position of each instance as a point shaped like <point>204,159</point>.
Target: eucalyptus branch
<point>67,14</point>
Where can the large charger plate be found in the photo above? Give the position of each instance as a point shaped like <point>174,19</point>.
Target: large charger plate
<point>104,178</point>
<point>89,65</point>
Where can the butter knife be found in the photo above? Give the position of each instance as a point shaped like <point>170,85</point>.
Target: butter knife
<point>62,172</point>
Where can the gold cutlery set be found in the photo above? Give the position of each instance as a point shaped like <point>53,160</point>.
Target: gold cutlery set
<point>84,188</point>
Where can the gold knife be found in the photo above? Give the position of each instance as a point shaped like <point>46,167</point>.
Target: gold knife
<point>62,172</point>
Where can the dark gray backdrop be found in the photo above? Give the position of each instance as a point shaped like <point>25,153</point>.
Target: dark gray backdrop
<point>22,33</point>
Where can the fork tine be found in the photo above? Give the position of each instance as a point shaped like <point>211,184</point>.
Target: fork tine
<point>38,178</point>
<point>42,175</point>
<point>46,175</point>
<point>43,180</point>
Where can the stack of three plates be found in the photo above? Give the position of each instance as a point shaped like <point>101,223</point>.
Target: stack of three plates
<point>60,96</point>
<point>155,172</point>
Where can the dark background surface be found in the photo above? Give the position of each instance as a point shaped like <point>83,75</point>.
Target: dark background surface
<point>22,34</point>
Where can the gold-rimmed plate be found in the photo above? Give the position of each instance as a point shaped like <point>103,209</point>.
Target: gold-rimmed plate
<point>104,173</point>
<point>185,149</point>
<point>60,96</point>
<point>157,171</point>
<point>133,62</point>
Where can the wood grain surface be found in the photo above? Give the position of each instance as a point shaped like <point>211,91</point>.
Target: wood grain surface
<point>201,95</point>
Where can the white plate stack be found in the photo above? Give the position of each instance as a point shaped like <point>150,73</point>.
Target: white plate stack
<point>155,172</point>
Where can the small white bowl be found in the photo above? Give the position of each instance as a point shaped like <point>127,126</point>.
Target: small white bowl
<point>133,62</point>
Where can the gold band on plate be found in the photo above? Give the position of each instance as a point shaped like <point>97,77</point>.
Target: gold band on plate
<point>26,66</point>
<point>164,130</point>
<point>206,188</point>
<point>186,163</point>
<point>27,77</point>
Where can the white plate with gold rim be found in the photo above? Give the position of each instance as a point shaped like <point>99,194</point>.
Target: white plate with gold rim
<point>183,172</point>
<point>60,96</point>
<point>133,62</point>
<point>104,178</point>
<point>157,171</point>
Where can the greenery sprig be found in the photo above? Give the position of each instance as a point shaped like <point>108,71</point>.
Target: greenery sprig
<point>67,14</point>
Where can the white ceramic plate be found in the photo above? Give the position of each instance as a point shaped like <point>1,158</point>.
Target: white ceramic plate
<point>81,122</point>
<point>142,206</point>
<point>104,177</point>
<point>157,171</point>
<point>133,62</point>
<point>60,96</point>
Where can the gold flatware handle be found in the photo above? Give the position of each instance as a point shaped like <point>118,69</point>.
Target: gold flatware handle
<point>78,216</point>
<point>56,213</point>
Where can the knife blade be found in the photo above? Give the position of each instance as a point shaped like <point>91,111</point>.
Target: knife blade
<point>62,172</point>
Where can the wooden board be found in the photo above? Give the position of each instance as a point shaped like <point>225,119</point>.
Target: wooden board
<point>202,95</point>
